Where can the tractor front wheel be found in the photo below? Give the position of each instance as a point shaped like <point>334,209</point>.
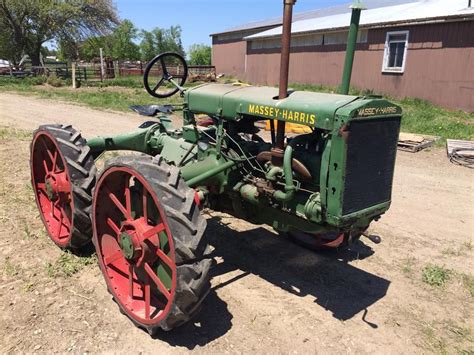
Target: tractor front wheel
<point>317,242</point>
<point>149,239</point>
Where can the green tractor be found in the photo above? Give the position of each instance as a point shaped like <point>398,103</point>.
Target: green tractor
<point>143,212</point>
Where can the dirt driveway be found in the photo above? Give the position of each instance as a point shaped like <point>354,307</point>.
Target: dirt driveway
<point>269,295</point>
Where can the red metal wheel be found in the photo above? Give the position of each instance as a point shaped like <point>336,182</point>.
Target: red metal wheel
<point>137,250</point>
<point>331,240</point>
<point>61,204</point>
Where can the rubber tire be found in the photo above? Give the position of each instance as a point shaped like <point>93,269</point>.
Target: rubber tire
<point>187,227</point>
<point>82,174</point>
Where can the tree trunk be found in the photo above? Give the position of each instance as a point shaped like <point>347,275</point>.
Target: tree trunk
<point>34,52</point>
<point>35,57</point>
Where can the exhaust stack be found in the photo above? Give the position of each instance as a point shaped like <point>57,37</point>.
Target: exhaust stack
<point>357,8</point>
<point>284,72</point>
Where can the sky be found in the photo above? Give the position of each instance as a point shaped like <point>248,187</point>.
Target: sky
<point>200,18</point>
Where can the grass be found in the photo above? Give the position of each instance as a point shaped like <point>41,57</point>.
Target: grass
<point>435,275</point>
<point>420,116</point>
<point>13,133</point>
<point>97,95</point>
<point>408,266</point>
<point>68,264</point>
<point>468,283</point>
<point>445,337</point>
<point>10,269</point>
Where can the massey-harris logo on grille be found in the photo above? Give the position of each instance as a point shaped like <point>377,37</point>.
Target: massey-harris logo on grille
<point>282,114</point>
<point>376,111</point>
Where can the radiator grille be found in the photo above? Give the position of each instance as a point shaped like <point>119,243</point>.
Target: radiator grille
<point>371,151</point>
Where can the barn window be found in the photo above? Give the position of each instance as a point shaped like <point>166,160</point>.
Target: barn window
<point>395,54</point>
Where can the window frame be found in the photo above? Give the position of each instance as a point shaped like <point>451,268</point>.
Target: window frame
<point>386,54</point>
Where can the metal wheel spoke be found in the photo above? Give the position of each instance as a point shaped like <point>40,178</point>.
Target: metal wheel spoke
<point>45,166</point>
<point>128,202</point>
<point>154,230</point>
<point>147,297</point>
<point>130,280</point>
<point>110,259</point>
<point>112,225</point>
<point>61,217</point>
<point>119,205</point>
<point>157,281</point>
<point>41,186</point>
<point>53,158</point>
<point>145,205</point>
<point>165,258</point>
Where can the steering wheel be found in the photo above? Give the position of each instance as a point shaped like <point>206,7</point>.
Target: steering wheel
<point>161,71</point>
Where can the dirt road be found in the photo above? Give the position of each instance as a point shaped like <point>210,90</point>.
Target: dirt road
<point>269,295</point>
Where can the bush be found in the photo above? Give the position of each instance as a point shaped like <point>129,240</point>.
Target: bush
<point>38,80</point>
<point>54,81</point>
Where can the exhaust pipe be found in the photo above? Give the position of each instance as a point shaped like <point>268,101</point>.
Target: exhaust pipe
<point>284,72</point>
<point>356,7</point>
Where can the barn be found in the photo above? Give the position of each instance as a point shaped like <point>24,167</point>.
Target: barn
<point>422,49</point>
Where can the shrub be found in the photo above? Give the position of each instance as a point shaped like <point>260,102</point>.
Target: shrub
<point>54,81</point>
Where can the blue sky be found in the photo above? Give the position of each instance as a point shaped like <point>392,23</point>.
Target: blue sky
<point>199,18</point>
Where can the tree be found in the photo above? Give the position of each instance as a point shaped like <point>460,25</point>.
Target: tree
<point>161,40</point>
<point>200,54</point>
<point>122,44</point>
<point>31,23</point>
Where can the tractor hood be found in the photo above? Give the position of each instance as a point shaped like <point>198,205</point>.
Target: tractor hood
<point>235,102</point>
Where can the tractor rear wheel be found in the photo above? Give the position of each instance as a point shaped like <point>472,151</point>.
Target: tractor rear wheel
<point>149,239</point>
<point>62,176</point>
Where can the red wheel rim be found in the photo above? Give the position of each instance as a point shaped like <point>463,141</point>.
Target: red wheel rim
<point>331,240</point>
<point>52,188</point>
<point>134,245</point>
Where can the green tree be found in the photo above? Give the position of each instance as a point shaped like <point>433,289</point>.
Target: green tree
<point>90,48</point>
<point>200,54</point>
<point>161,40</point>
<point>122,45</point>
<point>31,23</point>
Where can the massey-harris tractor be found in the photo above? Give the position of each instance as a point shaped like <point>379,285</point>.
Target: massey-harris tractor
<point>143,212</point>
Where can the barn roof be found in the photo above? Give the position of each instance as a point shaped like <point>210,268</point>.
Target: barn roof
<point>414,12</point>
<point>333,10</point>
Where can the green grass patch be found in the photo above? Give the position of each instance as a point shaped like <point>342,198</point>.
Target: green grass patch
<point>435,275</point>
<point>68,264</point>
<point>107,97</point>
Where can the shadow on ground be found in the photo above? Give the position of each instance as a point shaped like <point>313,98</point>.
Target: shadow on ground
<point>328,276</point>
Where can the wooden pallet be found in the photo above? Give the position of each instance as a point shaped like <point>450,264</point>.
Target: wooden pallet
<point>415,142</point>
<point>452,144</point>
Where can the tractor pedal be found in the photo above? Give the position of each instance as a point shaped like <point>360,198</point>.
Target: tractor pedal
<point>373,238</point>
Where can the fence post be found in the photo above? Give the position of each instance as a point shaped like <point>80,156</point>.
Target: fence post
<point>73,69</point>
<point>101,65</point>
